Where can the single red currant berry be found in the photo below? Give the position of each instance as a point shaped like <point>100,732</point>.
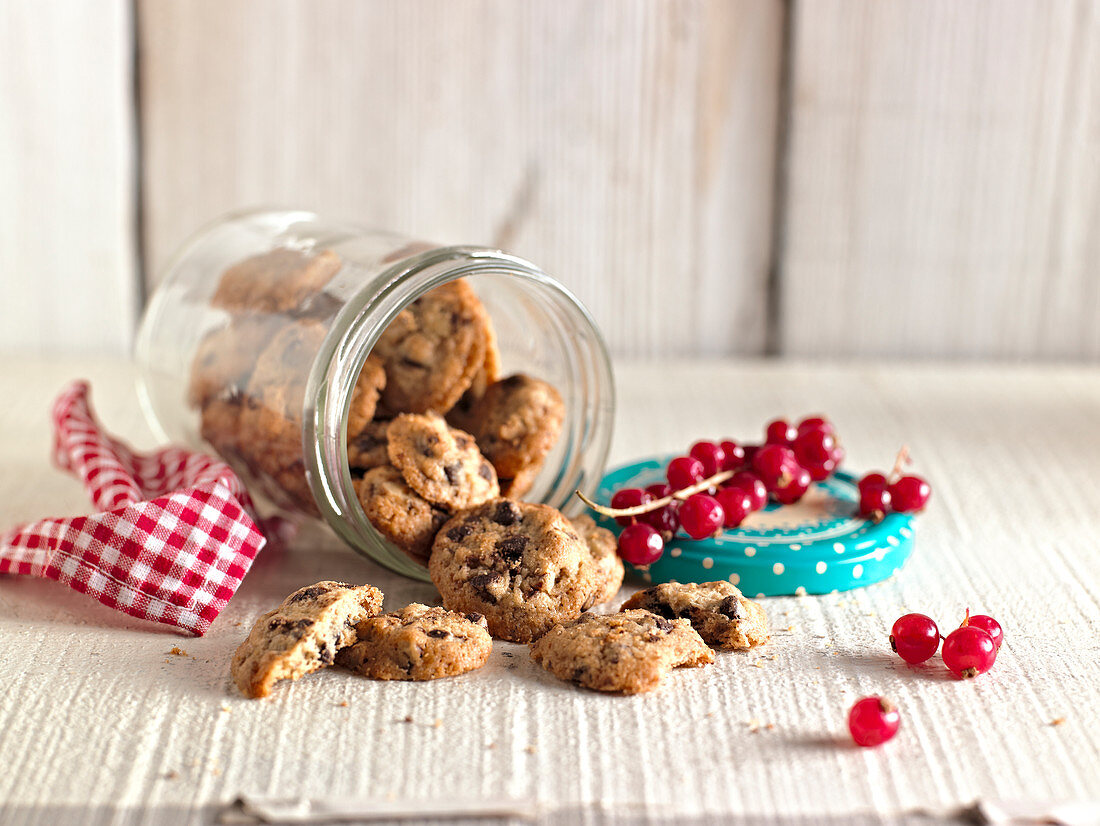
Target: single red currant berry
<point>910,494</point>
<point>750,454</point>
<point>872,481</point>
<point>814,447</point>
<point>969,651</point>
<point>734,453</point>
<point>780,432</point>
<point>915,638</point>
<point>820,471</point>
<point>701,516</point>
<point>628,498</point>
<point>664,520</point>
<point>771,461</point>
<point>815,423</point>
<point>874,503</point>
<point>710,455</point>
<point>792,485</point>
<point>640,544</point>
<point>751,484</point>
<point>684,471</point>
<point>736,505</point>
<point>990,626</point>
<point>873,720</point>
<point>659,491</point>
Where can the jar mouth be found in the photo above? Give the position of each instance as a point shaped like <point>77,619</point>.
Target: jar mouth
<point>584,444</point>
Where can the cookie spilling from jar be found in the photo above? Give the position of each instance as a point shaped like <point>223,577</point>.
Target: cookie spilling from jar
<point>433,426</point>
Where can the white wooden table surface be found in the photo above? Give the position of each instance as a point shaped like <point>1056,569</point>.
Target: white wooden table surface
<point>99,724</point>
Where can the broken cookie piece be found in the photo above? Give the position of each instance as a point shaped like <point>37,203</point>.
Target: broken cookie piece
<point>418,642</point>
<point>627,653</point>
<point>723,616</point>
<point>302,635</point>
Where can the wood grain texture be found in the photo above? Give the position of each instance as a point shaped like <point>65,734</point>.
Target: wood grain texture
<point>68,277</point>
<point>626,147</point>
<point>99,723</point>
<point>943,191</point>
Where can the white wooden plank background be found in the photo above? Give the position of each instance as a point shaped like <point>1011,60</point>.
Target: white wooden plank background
<point>625,147</point>
<point>68,277</point>
<point>943,189</point>
<point>99,724</point>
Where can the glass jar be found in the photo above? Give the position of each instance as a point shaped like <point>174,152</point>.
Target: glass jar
<point>312,311</point>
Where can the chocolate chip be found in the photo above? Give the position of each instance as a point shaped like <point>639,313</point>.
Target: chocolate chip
<point>512,382</point>
<point>462,442</point>
<point>512,547</point>
<point>453,473</point>
<point>482,583</point>
<point>485,472</point>
<point>664,624</point>
<point>507,513</point>
<point>439,634</point>
<point>476,618</point>
<point>408,362</point>
<point>289,625</point>
<point>459,532</point>
<point>307,593</point>
<point>578,673</point>
<point>730,607</point>
<point>326,655</point>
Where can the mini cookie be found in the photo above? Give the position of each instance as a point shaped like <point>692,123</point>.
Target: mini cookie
<point>440,463</point>
<point>628,652</point>
<point>398,512</point>
<point>604,549</point>
<point>368,449</point>
<point>364,399</point>
<point>302,634</point>
<point>516,424</point>
<point>226,356</point>
<point>717,610</point>
<point>276,281</point>
<point>220,423</point>
<point>521,565</point>
<point>418,643</point>
<point>432,350</point>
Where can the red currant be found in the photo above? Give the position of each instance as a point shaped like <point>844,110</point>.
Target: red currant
<point>710,455</point>
<point>771,461</point>
<point>701,516</point>
<point>640,544</point>
<point>663,519</point>
<point>814,447</point>
<point>684,471</point>
<point>734,453</point>
<point>750,454</point>
<point>780,432</point>
<point>659,491</point>
<point>874,496</point>
<point>969,651</point>
<point>751,484</point>
<point>792,485</point>
<point>736,505</point>
<point>990,626</point>
<point>915,638</point>
<point>910,494</point>
<point>815,423</point>
<point>820,471</point>
<point>872,480</point>
<point>873,720</point>
<point>628,498</point>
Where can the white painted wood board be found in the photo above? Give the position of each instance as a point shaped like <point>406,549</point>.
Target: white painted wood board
<point>99,724</point>
<point>943,180</point>
<point>68,277</point>
<point>625,147</point>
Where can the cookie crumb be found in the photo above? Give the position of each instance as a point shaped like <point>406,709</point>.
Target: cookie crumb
<point>177,651</point>
<point>1057,721</point>
<point>530,749</point>
<point>408,719</point>
<point>438,723</point>
<point>171,775</point>
<point>491,746</point>
<point>224,708</point>
<point>343,704</point>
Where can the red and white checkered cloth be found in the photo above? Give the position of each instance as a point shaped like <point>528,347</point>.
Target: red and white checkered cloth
<point>173,538</point>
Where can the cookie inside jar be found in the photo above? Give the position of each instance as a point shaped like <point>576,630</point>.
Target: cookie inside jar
<point>434,423</point>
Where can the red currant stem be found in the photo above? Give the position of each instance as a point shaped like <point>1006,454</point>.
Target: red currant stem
<point>657,504</point>
<point>900,462</point>
<point>966,619</point>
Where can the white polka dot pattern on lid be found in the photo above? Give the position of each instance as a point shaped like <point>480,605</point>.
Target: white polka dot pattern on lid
<point>675,552</point>
<point>647,576</point>
<point>821,567</point>
<point>708,562</point>
<point>795,546</point>
<point>734,578</point>
<point>857,571</point>
<point>879,554</point>
<point>892,540</point>
<point>750,551</point>
<point>778,568</point>
<point>761,595</point>
<point>906,532</point>
<point>838,547</point>
<point>800,591</point>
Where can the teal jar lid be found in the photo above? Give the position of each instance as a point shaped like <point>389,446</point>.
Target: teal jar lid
<point>816,546</point>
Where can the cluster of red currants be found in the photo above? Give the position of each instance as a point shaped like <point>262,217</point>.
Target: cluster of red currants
<point>879,496</point>
<point>783,467</point>
<point>969,650</point>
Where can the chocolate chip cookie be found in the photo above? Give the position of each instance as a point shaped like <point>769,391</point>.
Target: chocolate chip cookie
<point>432,350</point>
<point>418,643</point>
<point>368,449</point>
<point>276,281</point>
<point>226,356</point>
<point>364,398</point>
<point>302,635</point>
<point>398,512</point>
<point>721,614</point>
<point>521,565</point>
<point>604,549</point>
<point>440,463</point>
<point>629,652</point>
<point>516,423</point>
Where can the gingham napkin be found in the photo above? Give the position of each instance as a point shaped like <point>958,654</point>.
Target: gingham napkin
<point>173,537</point>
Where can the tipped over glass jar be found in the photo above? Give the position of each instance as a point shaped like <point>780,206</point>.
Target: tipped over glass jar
<point>289,343</point>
